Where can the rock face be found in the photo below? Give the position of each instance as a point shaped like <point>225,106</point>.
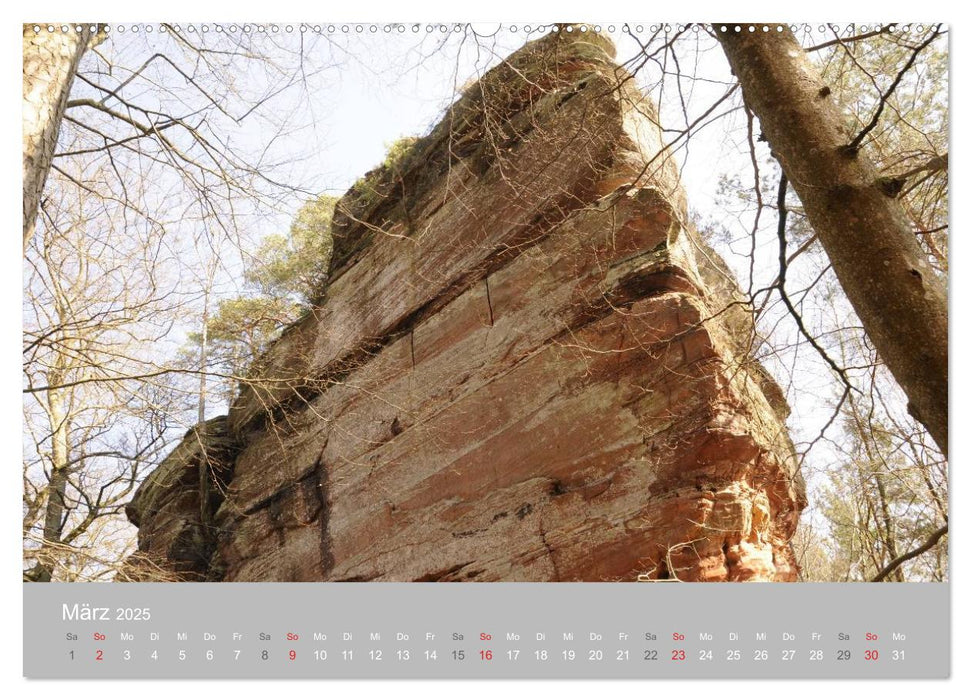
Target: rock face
<point>525,366</point>
<point>173,507</point>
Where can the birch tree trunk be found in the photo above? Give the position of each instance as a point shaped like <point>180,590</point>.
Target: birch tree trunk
<point>900,300</point>
<point>50,63</point>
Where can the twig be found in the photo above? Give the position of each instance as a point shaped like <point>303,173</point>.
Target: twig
<point>854,145</point>
<point>931,541</point>
<point>781,285</point>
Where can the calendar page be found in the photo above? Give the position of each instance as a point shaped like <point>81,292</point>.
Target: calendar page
<point>607,349</point>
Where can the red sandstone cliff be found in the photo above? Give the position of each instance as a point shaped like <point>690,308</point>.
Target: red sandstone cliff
<point>525,367</point>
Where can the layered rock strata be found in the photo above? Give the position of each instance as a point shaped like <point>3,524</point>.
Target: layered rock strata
<point>525,366</point>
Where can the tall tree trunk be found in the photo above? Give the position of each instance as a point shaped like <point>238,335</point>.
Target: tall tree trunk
<point>50,63</point>
<point>869,241</point>
<point>58,409</point>
<point>204,467</point>
<point>57,487</point>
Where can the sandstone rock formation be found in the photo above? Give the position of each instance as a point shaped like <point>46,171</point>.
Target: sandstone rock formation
<point>525,366</point>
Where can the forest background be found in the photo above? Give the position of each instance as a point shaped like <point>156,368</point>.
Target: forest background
<point>723,206</point>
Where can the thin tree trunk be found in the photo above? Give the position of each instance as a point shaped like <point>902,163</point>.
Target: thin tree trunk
<point>57,488</point>
<point>58,407</point>
<point>50,63</point>
<point>866,234</point>
<point>889,534</point>
<point>204,468</point>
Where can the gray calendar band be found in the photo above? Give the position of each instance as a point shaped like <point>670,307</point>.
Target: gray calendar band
<point>411,630</point>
